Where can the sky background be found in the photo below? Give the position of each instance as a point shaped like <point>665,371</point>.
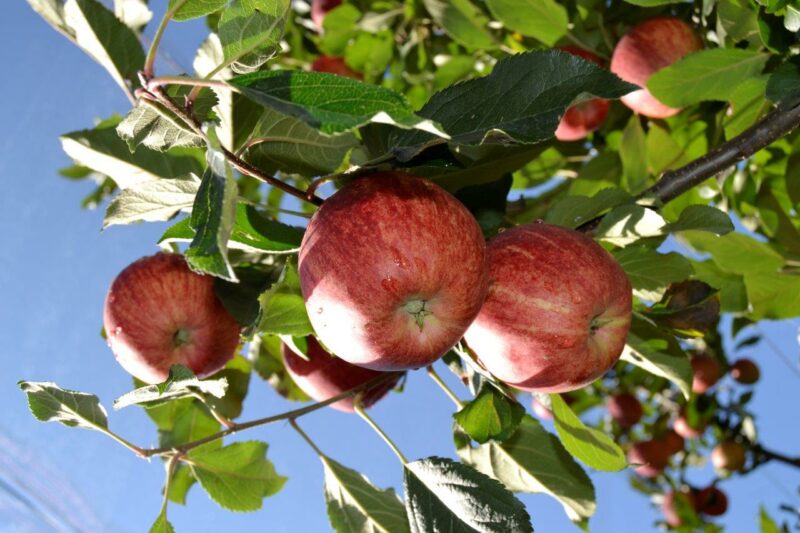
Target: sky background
<point>55,268</point>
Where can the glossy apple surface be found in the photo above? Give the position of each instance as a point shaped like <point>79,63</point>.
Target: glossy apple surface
<point>324,376</point>
<point>745,371</point>
<point>647,48</point>
<point>320,8</point>
<point>625,409</point>
<point>393,271</point>
<point>673,442</point>
<point>712,501</point>
<point>652,457</point>
<point>729,456</point>
<point>687,431</point>
<point>159,313</point>
<point>334,65</point>
<point>582,119</point>
<point>706,371</point>
<point>557,313</point>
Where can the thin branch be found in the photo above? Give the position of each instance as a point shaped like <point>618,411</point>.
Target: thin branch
<point>363,414</point>
<point>305,436</point>
<point>442,385</point>
<point>152,52</point>
<point>770,455</point>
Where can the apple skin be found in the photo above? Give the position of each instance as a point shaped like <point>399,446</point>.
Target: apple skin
<point>712,501</point>
<point>728,456</point>
<point>670,509</point>
<point>320,8</point>
<point>625,409</point>
<point>557,313</point>
<point>706,371</point>
<point>159,313</point>
<point>745,371</point>
<point>682,428</point>
<point>393,271</point>
<point>647,48</point>
<point>324,376</point>
<point>582,119</point>
<point>334,65</point>
<point>652,457</point>
<point>673,442</point>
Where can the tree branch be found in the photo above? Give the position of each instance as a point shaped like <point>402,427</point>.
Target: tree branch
<point>770,455</point>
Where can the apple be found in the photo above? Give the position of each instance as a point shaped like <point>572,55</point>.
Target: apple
<point>674,502</point>
<point>393,271</point>
<point>728,456</point>
<point>682,427</point>
<point>652,457</point>
<point>159,313</point>
<point>706,371</point>
<point>712,501</point>
<point>557,313</point>
<point>647,48</point>
<point>582,119</point>
<point>324,376</point>
<point>320,8</point>
<point>625,409</point>
<point>745,371</point>
<point>673,442</point>
<point>334,65</point>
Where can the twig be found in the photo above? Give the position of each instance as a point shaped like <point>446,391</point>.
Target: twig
<point>442,385</point>
<point>363,414</point>
<point>152,52</point>
<point>770,455</point>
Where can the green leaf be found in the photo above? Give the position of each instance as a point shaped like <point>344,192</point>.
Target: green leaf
<point>238,476</point>
<point>748,104</point>
<point>340,25</point>
<point>651,272</point>
<point>213,216</point>
<point>151,201</point>
<point>701,218</point>
<point>783,87</point>
<point>50,403</point>
<point>442,495</point>
<point>52,11</point>
<point>182,481</point>
<point>629,223</point>
<point>534,460</point>
<point>589,445</point>
<point>268,363</point>
<point>652,3</point>
<point>737,21</point>
<point>237,373</point>
<point>735,252</point>
<point>544,20</point>
<point>490,416</point>
<point>572,211</point>
<point>190,9</point>
<point>705,75</point>
<point>732,292</point>
<point>463,21</point>
<point>659,353</point>
<point>174,387</point>
<point>773,295</point>
<point>104,37</point>
<point>283,311</point>
<point>250,32</point>
<point>162,525</point>
<point>766,523</point>
<point>241,299</point>
<point>182,420</point>
<point>633,153</point>
<point>355,505</point>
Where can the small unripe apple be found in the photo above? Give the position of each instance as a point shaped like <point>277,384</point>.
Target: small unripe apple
<point>706,371</point>
<point>728,456</point>
<point>745,371</point>
<point>159,313</point>
<point>673,442</point>
<point>393,271</point>
<point>685,430</point>
<point>324,376</point>
<point>651,456</point>
<point>669,506</point>
<point>625,409</point>
<point>712,501</point>
<point>558,310</point>
<point>334,65</point>
<point>320,8</point>
<point>582,119</point>
<point>647,48</point>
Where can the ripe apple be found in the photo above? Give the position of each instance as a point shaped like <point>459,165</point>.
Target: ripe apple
<point>583,118</point>
<point>393,271</point>
<point>324,376</point>
<point>673,442</point>
<point>159,313</point>
<point>745,371</point>
<point>681,427</point>
<point>706,371</point>
<point>672,504</point>
<point>625,409</point>
<point>557,313</point>
<point>647,48</point>
<point>712,501</point>
<point>652,457</point>
<point>320,8</point>
<point>334,65</point>
<point>729,456</point>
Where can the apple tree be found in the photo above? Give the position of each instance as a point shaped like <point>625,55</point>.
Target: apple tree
<point>558,199</point>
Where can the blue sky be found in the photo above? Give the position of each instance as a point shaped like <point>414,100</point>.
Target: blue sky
<point>55,267</point>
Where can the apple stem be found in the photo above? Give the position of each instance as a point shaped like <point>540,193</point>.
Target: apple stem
<point>305,436</point>
<point>363,414</point>
<point>442,385</point>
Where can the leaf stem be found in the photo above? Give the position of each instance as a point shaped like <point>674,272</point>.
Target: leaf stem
<point>141,452</point>
<point>152,52</point>
<point>363,414</point>
<point>171,465</point>
<point>442,385</point>
<point>305,436</point>
<point>154,83</point>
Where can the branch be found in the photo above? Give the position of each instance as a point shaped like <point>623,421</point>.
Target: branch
<point>770,455</point>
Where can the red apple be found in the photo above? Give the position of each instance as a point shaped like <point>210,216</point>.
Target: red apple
<point>334,65</point>
<point>728,455</point>
<point>745,371</point>
<point>320,8</point>
<point>706,371</point>
<point>647,48</point>
<point>159,313</point>
<point>557,313</point>
<point>685,430</point>
<point>674,502</point>
<point>583,118</point>
<point>625,409</point>
<point>324,376</point>
<point>652,457</point>
<point>712,501</point>
<point>673,442</point>
<point>393,271</point>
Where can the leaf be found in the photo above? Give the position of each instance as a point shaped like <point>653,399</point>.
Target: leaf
<point>175,386</point>
<point>659,353</point>
<point>104,37</point>
<point>589,445</point>
<point>748,103</point>
<point>702,218</point>
<point>268,363</point>
<point>241,299</point>
<point>50,403</point>
<point>572,211</point>
<point>490,416</point>
<point>237,373</point>
<point>651,3</point>
<point>250,32</point>
<point>442,495</point>
<point>651,272</point>
<point>355,505</point>
<point>690,307</point>
<point>535,461</point>
<point>627,224</point>
<point>162,525</point>
<point>783,87</point>
<point>133,13</point>
<point>180,421</point>
<point>283,311</point>
<point>333,104</point>
<point>190,9</point>
<point>152,201</point>
<point>735,252</point>
<point>52,11</point>
<point>633,153</point>
<point>238,476</point>
<point>712,74</point>
<point>463,21</point>
<point>732,292</point>
<point>766,523</point>
<point>773,295</point>
<point>182,481</point>
<point>544,20</point>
